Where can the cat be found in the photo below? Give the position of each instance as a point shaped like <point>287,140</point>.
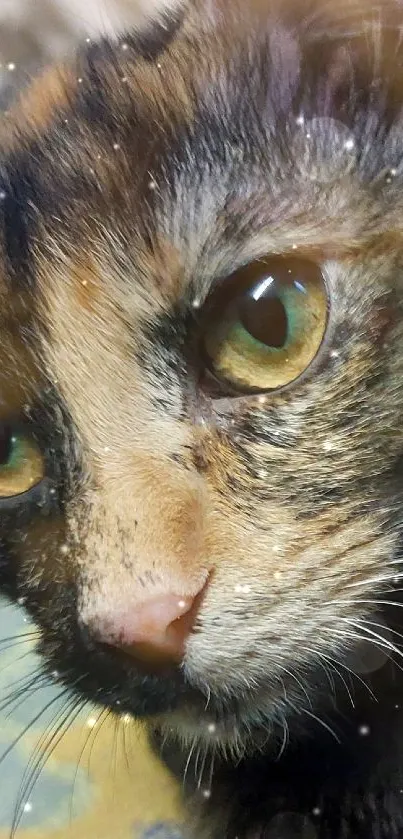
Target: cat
<point>202,400</point>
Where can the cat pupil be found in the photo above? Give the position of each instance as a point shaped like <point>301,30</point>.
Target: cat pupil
<point>265,318</point>
<point>5,445</point>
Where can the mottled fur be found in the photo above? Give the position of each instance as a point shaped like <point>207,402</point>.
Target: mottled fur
<point>131,182</point>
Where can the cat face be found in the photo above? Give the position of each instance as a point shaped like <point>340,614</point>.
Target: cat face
<point>201,387</point>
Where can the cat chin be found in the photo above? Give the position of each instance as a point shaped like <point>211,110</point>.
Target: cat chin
<point>231,737</point>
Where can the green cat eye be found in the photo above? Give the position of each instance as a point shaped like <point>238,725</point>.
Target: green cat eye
<point>21,463</point>
<point>264,324</point>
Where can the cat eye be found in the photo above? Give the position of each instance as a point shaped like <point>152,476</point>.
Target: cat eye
<point>21,463</point>
<point>264,325</point>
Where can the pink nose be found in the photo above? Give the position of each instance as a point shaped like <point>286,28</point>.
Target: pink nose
<point>154,630</point>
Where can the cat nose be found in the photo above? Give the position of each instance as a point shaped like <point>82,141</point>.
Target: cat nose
<point>154,630</point>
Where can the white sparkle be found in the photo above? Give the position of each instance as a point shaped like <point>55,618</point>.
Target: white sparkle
<point>124,79</point>
<point>262,400</point>
<point>84,282</point>
<point>393,172</point>
<point>182,604</point>
<point>364,730</point>
<point>294,247</point>
<point>80,81</point>
<point>316,811</point>
<point>127,719</point>
<point>64,549</point>
<point>91,722</point>
<point>206,793</point>
<point>308,136</point>
<point>211,728</point>
<point>196,303</point>
<point>52,491</point>
<point>349,144</point>
<point>88,40</point>
<point>106,449</point>
<point>116,146</point>
<point>125,47</point>
<point>152,184</point>
<point>55,674</point>
<point>397,707</point>
<point>3,195</point>
<point>159,66</point>
<point>242,589</point>
<point>300,120</point>
<point>11,66</point>
<point>327,446</point>
<point>262,288</point>
<point>27,807</point>
<point>22,601</point>
<point>334,354</point>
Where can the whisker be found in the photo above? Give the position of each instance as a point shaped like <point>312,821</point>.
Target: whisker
<point>321,722</point>
<point>63,720</point>
<point>333,667</point>
<point>33,722</point>
<point>370,581</point>
<point>381,643</point>
<point>285,739</point>
<point>102,719</point>
<point>200,781</point>
<point>189,757</point>
<point>123,727</point>
<point>299,683</point>
<point>26,688</point>
<point>15,660</point>
<point>18,640</point>
<point>114,754</point>
<point>211,772</point>
<point>79,759</point>
<point>196,766</point>
<point>385,642</point>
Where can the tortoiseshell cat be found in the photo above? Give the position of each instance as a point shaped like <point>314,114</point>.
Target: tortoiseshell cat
<point>201,266</point>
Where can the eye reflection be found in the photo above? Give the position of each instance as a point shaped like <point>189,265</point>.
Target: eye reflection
<point>264,325</point>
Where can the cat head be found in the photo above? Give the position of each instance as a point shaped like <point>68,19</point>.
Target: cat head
<point>201,380</point>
